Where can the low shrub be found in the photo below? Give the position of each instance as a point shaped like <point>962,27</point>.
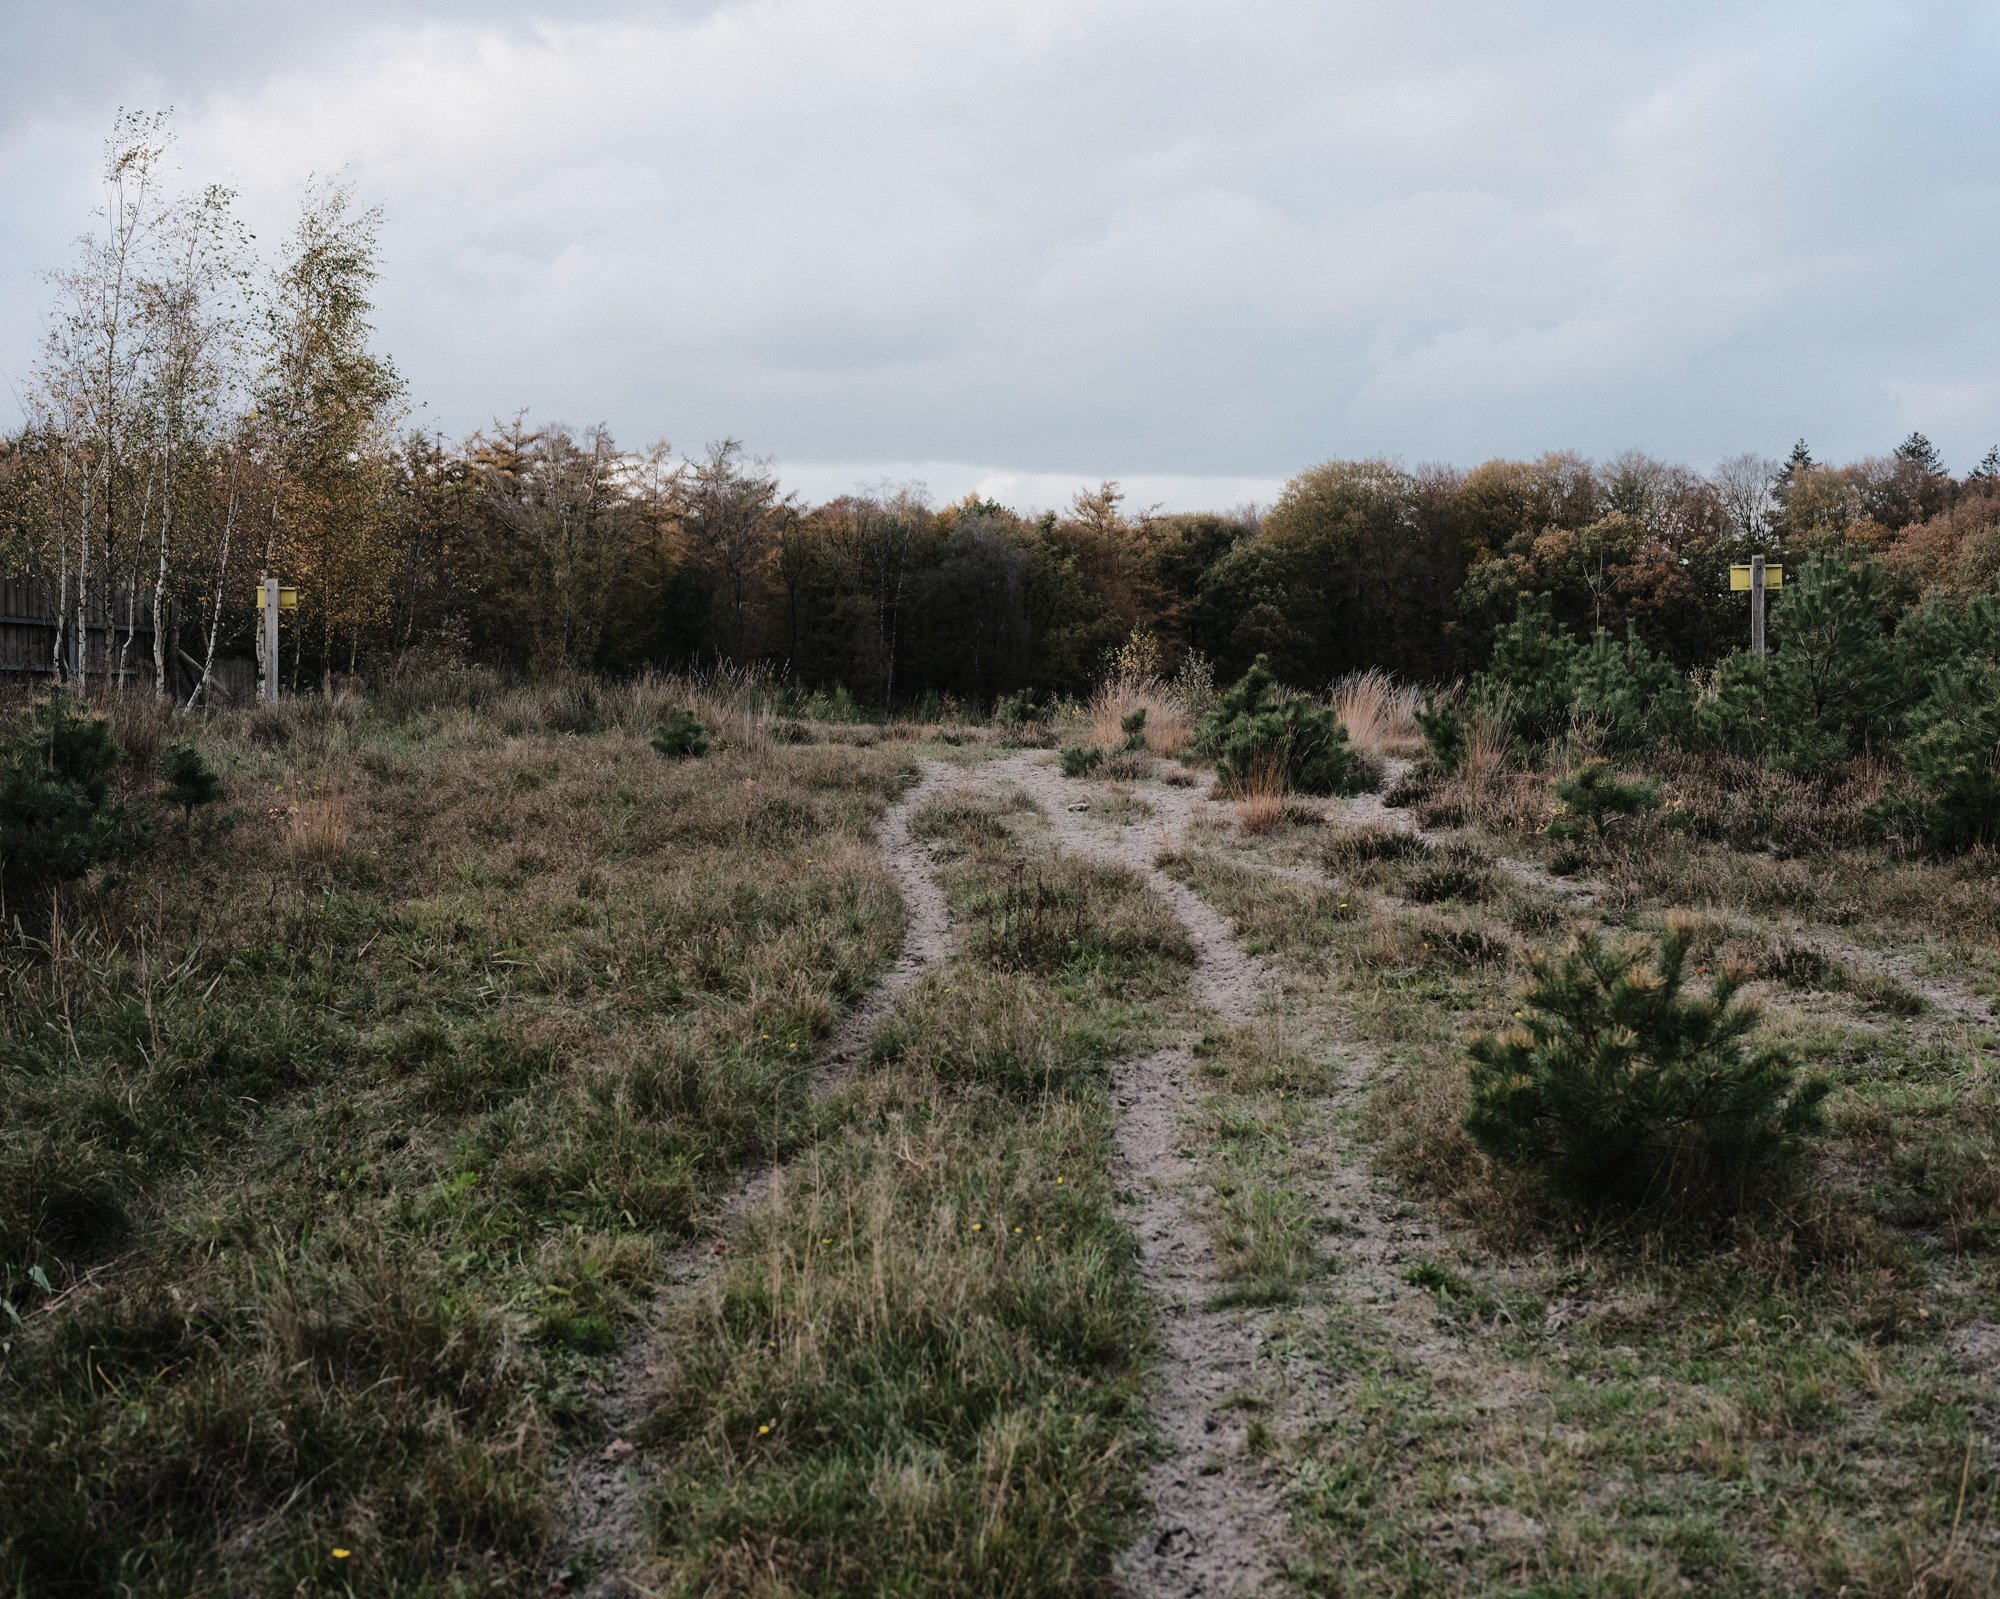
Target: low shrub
<point>680,735</point>
<point>1363,846</point>
<point>1617,1086</point>
<point>1452,871</point>
<point>1080,760</point>
<point>1133,726</point>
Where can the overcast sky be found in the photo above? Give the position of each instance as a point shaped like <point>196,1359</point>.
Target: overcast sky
<point>1018,244</point>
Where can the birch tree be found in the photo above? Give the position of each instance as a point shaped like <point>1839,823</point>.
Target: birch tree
<point>91,373</point>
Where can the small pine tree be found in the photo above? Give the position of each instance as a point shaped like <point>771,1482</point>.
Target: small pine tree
<point>1953,757</point>
<point>190,781</point>
<point>1443,725</point>
<point>1593,801</point>
<point>1018,709</point>
<point>1532,672</point>
<point>1133,726</point>
<point>1259,725</point>
<point>1988,469</point>
<point>1080,760</point>
<point>1635,698</point>
<point>1618,1086</point>
<point>680,735</point>
<point>1834,678</point>
<point>56,816</point>
<point>1734,716</point>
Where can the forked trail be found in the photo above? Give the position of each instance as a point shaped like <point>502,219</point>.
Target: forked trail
<point>1217,1525</point>
<point>607,1487</point>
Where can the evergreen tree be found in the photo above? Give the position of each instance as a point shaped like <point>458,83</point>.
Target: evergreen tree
<point>1531,674</point>
<point>1259,725</point>
<point>1834,680</point>
<point>56,819</point>
<point>680,735</point>
<point>1919,451</point>
<point>1445,732</point>
<point>190,780</point>
<point>1635,698</point>
<point>1988,469</point>
<point>1594,800</point>
<point>1617,1085</point>
<point>1734,717</point>
<point>1953,757</point>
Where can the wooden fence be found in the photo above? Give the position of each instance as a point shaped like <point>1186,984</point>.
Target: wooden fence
<point>119,627</point>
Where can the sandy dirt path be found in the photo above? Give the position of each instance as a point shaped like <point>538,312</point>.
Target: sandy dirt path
<point>606,1487</point>
<point>1217,1527</point>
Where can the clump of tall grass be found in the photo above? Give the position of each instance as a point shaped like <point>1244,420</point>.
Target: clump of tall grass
<point>1379,713</point>
<point>316,823</point>
<point>1167,728</point>
<point>1260,792</point>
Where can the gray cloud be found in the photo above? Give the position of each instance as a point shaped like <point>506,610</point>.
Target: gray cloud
<point>1019,242</point>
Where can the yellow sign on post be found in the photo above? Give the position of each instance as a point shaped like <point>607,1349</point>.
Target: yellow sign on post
<point>288,599</point>
<point>1739,578</point>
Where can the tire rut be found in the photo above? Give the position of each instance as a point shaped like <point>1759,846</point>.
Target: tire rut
<point>607,1487</point>
<point>1218,1528</point>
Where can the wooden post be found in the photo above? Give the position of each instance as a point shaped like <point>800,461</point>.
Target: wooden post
<point>1757,606</point>
<point>269,687</point>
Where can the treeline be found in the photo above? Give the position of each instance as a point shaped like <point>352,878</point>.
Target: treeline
<point>201,417</point>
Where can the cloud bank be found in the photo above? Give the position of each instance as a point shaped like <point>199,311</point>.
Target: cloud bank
<point>1019,244</point>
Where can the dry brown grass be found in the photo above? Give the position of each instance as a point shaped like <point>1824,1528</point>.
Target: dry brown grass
<point>1169,728</point>
<point>316,823</point>
<point>1379,713</point>
<point>1260,795</point>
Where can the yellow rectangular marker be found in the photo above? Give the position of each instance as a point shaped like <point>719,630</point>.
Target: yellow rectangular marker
<point>1739,578</point>
<point>288,599</point>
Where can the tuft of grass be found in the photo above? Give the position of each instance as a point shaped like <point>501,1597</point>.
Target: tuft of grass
<point>1380,715</point>
<point>1166,728</point>
<point>1260,793</point>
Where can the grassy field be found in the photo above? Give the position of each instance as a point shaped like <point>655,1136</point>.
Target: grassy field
<point>1797,1398</point>
<point>337,1144</point>
<point>355,1152</point>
